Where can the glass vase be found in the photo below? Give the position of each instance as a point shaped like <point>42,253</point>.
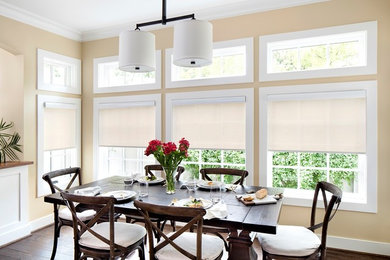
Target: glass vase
<point>169,179</point>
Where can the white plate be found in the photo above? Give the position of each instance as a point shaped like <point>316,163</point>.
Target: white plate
<point>158,180</point>
<point>187,203</point>
<point>209,184</point>
<point>120,194</point>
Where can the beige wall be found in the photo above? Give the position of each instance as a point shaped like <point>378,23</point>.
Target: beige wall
<point>23,40</point>
<point>365,226</point>
<point>11,91</point>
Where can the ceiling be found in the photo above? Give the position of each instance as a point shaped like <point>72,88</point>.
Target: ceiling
<point>85,20</point>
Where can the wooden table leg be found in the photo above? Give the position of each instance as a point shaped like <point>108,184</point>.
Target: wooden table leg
<point>240,245</point>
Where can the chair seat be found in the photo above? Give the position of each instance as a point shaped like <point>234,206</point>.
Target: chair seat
<point>83,216</point>
<point>290,241</point>
<point>212,247</point>
<point>125,235</point>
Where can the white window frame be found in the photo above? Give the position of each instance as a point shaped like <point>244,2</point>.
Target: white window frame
<point>304,198</point>
<point>122,101</point>
<point>60,102</point>
<point>370,29</point>
<point>41,55</point>
<point>219,96</point>
<point>125,88</point>
<point>248,77</point>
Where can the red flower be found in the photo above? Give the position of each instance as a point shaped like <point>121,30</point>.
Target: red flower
<point>168,147</point>
<point>183,145</point>
<point>152,147</point>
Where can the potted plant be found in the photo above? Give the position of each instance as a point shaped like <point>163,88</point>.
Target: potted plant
<point>9,143</point>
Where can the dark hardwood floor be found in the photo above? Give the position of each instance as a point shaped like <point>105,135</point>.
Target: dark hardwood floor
<point>38,247</point>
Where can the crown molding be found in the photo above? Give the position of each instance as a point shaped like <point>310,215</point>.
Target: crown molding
<point>229,10</point>
<point>40,22</point>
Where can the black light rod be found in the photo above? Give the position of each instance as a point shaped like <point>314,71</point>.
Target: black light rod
<point>164,12</point>
<point>189,16</point>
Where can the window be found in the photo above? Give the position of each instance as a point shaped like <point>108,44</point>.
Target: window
<point>320,132</point>
<point>327,52</point>
<point>58,72</point>
<point>59,135</point>
<point>232,63</point>
<point>108,77</point>
<point>123,126</point>
<point>218,125</point>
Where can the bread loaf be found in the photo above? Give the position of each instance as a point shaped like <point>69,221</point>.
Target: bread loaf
<point>262,193</point>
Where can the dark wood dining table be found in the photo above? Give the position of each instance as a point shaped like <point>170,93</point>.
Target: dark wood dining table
<point>241,220</point>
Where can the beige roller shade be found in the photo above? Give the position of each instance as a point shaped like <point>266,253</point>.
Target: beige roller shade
<point>59,128</point>
<point>210,126</point>
<point>327,125</point>
<point>127,126</point>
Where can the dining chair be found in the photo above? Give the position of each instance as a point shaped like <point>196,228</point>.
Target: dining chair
<point>179,244</point>
<point>63,216</point>
<point>150,170</point>
<point>241,174</point>
<point>297,242</point>
<point>206,175</point>
<point>104,240</point>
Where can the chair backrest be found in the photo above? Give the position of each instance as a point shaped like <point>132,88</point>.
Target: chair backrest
<point>196,214</point>
<point>50,178</point>
<point>224,171</point>
<point>104,206</point>
<point>330,208</point>
<point>157,167</point>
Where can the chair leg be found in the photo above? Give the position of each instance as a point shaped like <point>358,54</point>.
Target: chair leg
<point>128,219</point>
<point>173,224</point>
<point>224,241</point>
<point>56,234</point>
<point>141,251</point>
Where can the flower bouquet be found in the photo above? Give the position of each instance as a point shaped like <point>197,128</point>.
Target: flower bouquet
<point>169,156</point>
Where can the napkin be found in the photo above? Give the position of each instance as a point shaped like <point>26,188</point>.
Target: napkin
<point>218,210</point>
<point>89,191</point>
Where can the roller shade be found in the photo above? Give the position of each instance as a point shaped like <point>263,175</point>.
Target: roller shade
<point>210,125</point>
<point>319,125</point>
<point>59,128</point>
<point>132,126</point>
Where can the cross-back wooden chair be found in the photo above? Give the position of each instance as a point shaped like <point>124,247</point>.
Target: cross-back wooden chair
<point>242,174</point>
<point>179,244</point>
<point>105,240</point>
<point>150,171</point>
<point>297,242</point>
<point>63,217</point>
<point>206,172</point>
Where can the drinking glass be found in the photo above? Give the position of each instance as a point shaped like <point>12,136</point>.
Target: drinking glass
<point>143,189</point>
<point>191,185</point>
<point>216,193</point>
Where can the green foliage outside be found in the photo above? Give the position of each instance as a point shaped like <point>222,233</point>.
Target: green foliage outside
<point>336,55</point>
<point>313,169</point>
<point>198,159</point>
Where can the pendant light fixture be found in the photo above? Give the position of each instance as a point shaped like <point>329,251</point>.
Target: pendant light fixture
<point>193,44</point>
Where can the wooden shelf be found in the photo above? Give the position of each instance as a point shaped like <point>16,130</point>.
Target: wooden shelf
<point>14,164</point>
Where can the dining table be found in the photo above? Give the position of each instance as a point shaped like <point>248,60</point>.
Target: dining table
<point>242,220</point>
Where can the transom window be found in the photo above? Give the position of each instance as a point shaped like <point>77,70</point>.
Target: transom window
<point>58,72</point>
<point>326,52</point>
<point>232,63</point>
<point>109,78</point>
